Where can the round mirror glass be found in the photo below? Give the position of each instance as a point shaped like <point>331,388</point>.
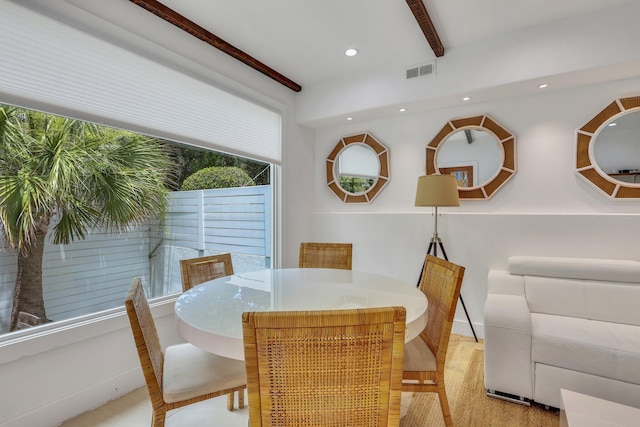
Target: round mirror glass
<point>357,168</point>
<point>616,149</point>
<point>474,156</point>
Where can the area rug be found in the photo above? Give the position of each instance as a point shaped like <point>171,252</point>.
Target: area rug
<point>470,406</point>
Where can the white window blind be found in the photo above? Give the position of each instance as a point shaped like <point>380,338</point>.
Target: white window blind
<point>45,62</point>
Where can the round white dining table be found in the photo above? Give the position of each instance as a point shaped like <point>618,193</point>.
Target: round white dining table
<point>209,315</point>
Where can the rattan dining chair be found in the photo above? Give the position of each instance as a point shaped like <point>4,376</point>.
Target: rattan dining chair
<point>324,368</point>
<point>182,374</point>
<point>199,270</point>
<point>424,356</point>
<point>325,255</point>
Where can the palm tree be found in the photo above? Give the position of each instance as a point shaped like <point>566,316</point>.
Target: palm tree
<point>76,175</point>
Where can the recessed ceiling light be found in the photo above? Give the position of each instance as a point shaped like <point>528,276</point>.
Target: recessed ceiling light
<point>349,118</point>
<point>351,52</point>
<point>466,98</point>
<point>542,86</point>
<point>402,110</point>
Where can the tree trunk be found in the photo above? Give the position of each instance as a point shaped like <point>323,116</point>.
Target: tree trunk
<point>28,295</point>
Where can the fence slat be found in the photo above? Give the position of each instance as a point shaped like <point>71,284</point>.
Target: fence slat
<point>94,274</point>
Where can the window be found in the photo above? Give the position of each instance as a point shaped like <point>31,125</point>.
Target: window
<point>93,272</point>
<point>48,65</point>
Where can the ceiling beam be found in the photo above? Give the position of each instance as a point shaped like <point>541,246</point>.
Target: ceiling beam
<point>195,30</point>
<point>420,12</point>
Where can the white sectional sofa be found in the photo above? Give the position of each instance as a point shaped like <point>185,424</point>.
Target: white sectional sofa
<point>570,323</point>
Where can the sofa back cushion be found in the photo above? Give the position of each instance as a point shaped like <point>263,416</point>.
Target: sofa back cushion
<point>605,301</point>
<point>597,289</point>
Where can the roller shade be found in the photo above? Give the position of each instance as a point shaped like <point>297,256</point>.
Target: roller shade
<point>45,63</point>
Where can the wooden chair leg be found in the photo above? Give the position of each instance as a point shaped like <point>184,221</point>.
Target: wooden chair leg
<point>158,418</point>
<point>241,398</point>
<point>444,405</point>
<point>230,401</point>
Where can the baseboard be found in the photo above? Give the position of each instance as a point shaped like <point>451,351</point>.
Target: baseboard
<point>57,411</point>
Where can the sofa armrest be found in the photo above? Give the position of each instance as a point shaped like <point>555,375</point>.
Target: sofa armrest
<point>507,342</point>
<point>501,282</point>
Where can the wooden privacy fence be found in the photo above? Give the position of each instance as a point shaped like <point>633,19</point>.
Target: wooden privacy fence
<point>198,223</point>
<point>233,220</point>
<point>94,274</point>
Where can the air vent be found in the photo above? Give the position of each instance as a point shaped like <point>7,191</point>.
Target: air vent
<point>420,71</point>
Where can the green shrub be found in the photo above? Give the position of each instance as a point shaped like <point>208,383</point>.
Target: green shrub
<point>217,177</point>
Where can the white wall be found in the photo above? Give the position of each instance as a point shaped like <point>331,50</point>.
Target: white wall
<point>49,377</point>
<point>545,209</point>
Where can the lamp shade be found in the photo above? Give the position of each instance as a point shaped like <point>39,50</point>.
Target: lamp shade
<point>437,190</point>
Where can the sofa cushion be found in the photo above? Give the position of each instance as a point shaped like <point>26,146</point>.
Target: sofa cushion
<point>418,356</point>
<point>549,380</point>
<point>610,350</point>
<point>605,301</point>
<point>190,372</point>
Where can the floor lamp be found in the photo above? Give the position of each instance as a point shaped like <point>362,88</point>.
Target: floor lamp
<point>439,190</point>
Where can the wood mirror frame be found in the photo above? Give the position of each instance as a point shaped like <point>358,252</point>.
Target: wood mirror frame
<point>506,141</point>
<point>586,165</point>
<point>333,181</point>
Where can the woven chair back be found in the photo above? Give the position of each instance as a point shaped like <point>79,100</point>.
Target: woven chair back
<point>324,368</point>
<point>199,270</point>
<point>441,283</point>
<point>146,338</point>
<point>325,255</point>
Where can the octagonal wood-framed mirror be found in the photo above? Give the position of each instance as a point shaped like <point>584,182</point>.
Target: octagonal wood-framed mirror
<point>502,166</point>
<point>588,166</point>
<point>358,168</point>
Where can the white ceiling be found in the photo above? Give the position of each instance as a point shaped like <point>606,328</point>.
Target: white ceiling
<point>493,48</point>
<point>305,40</point>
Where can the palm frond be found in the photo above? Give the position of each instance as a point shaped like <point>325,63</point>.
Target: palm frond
<point>87,174</point>
<point>24,201</point>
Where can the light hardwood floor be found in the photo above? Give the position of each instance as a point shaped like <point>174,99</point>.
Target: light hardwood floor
<point>134,409</point>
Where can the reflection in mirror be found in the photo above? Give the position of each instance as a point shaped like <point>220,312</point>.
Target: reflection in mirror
<point>602,150</point>
<point>478,151</point>
<point>617,148</point>
<point>358,168</point>
<point>472,155</point>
